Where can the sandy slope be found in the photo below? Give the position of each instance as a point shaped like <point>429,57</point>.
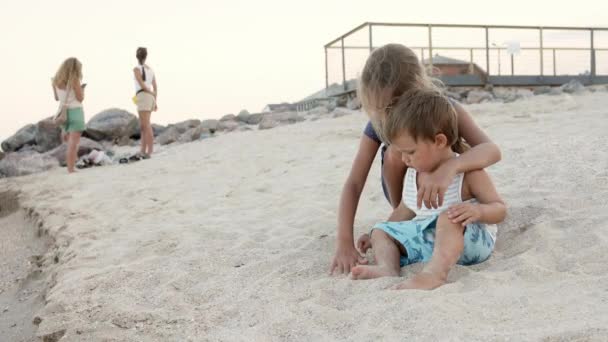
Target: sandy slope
<point>230,239</point>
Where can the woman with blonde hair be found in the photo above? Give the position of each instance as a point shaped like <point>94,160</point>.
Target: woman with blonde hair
<point>146,91</point>
<point>68,89</point>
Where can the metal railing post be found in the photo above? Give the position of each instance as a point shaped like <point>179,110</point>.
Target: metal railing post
<point>542,64</point>
<point>487,51</point>
<point>471,68</point>
<point>343,65</point>
<point>431,49</point>
<point>512,66</point>
<point>326,73</point>
<point>554,67</point>
<point>371,45</point>
<point>592,56</point>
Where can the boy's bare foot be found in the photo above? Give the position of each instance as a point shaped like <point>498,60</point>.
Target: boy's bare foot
<point>360,272</point>
<point>422,281</point>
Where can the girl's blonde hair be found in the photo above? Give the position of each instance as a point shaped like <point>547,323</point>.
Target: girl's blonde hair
<point>389,72</point>
<point>69,70</point>
<point>424,113</point>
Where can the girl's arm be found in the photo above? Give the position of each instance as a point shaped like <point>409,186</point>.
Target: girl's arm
<point>77,88</point>
<point>54,90</point>
<point>140,80</point>
<point>155,85</point>
<point>491,208</point>
<point>346,255</point>
<point>482,154</point>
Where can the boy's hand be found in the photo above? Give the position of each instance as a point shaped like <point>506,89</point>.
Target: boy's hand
<point>464,213</point>
<point>346,258</point>
<point>432,188</point>
<point>364,243</point>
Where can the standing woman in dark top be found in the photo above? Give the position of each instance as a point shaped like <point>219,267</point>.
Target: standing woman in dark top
<point>146,93</point>
<point>390,71</point>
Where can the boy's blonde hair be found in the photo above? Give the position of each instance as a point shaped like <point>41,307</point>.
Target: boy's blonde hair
<point>424,113</point>
<point>69,70</point>
<point>389,72</point>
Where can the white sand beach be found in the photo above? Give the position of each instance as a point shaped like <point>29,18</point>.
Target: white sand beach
<point>230,239</point>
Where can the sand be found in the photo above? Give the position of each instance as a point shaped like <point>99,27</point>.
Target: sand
<point>230,239</point>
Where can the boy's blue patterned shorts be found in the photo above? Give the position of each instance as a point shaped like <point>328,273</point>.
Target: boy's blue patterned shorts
<point>418,239</point>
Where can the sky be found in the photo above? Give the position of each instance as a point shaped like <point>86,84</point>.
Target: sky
<point>213,58</point>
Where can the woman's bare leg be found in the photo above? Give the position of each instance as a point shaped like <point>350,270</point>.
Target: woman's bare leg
<point>72,151</point>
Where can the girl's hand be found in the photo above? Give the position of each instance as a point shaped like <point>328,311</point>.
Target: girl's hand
<point>364,243</point>
<point>433,186</point>
<point>346,258</point>
<point>464,213</point>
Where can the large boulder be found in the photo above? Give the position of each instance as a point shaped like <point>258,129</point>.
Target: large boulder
<point>353,103</point>
<point>112,124</point>
<point>573,87</point>
<point>254,119</point>
<point>284,117</point>
<point>478,96</point>
<point>243,116</point>
<point>85,147</point>
<point>184,126</point>
<point>339,112</point>
<point>25,163</point>
<point>228,125</point>
<point>542,90</point>
<point>192,134</point>
<point>48,135</point>
<point>210,124</point>
<point>169,136</point>
<point>268,124</point>
<point>228,117</point>
<point>158,129</point>
<point>24,136</point>
<point>1,155</point>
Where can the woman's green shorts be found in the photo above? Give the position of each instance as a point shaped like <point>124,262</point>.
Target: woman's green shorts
<point>75,122</point>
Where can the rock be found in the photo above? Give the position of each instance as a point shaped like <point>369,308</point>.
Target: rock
<point>228,117</point>
<point>124,141</point>
<point>191,135</point>
<point>229,125</point>
<point>338,112</point>
<point>25,136</point>
<point>158,129</point>
<point>85,147</point>
<point>245,128</point>
<point>341,101</point>
<point>556,91</point>
<point>243,116</point>
<point>48,135</point>
<point>26,163</point>
<point>284,117</point>
<point>53,337</point>
<point>453,95</point>
<point>318,111</point>
<point>255,119</point>
<point>268,124</point>
<point>184,126</point>
<point>1,155</point>
<point>210,124</point>
<point>573,87</point>
<point>169,136</point>
<point>478,96</point>
<point>511,94</point>
<point>111,124</point>
<point>353,103</point>
<point>542,90</point>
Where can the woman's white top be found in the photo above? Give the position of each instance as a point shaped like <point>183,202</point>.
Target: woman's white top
<point>149,77</point>
<point>71,101</point>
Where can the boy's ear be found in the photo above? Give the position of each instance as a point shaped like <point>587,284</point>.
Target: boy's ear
<point>441,140</point>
